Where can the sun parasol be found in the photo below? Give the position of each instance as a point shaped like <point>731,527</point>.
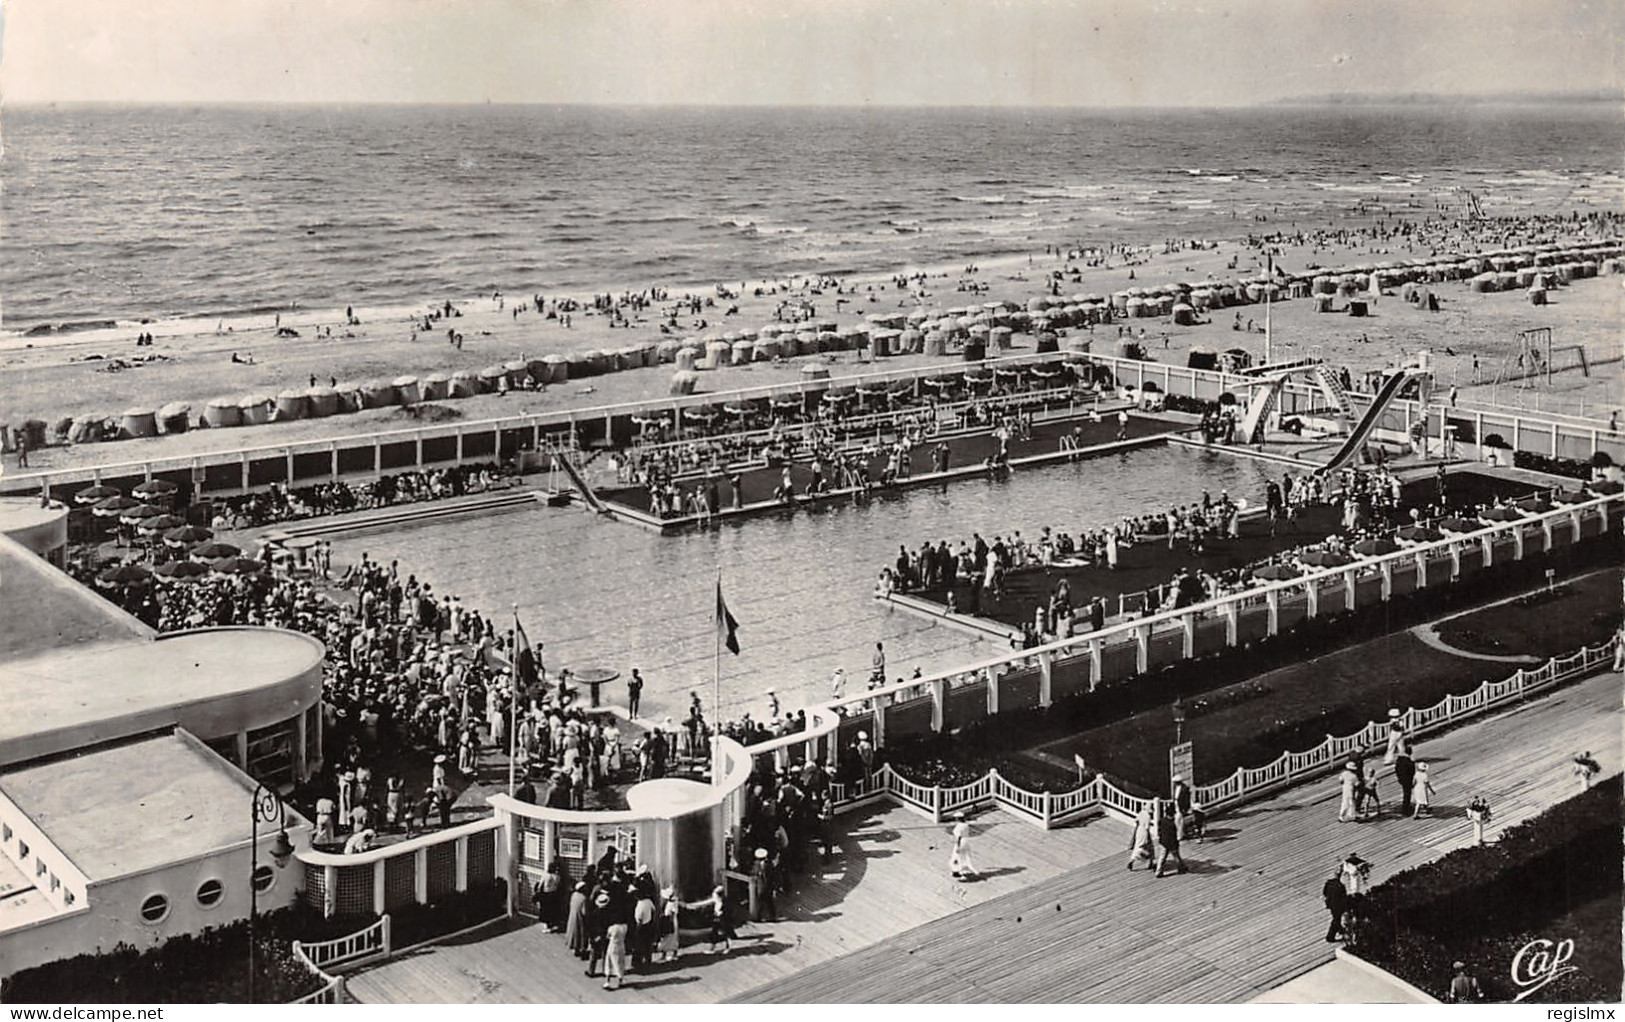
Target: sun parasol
<point>113,507</point>
<point>1501,514</point>
<point>1276,572</point>
<point>216,551</point>
<point>1374,547</point>
<point>136,515</point>
<point>187,535</point>
<point>1419,534</point>
<point>155,488</point>
<point>160,523</point>
<point>1326,558</point>
<point>95,494</point>
<point>124,575</point>
<point>181,571</point>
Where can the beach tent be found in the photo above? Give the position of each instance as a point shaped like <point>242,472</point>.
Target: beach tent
<point>89,429</point>
<point>436,386</point>
<point>1537,296</point>
<point>684,357</point>
<point>740,352</point>
<point>350,399</point>
<point>407,390</point>
<point>138,422</point>
<point>1184,315</point>
<point>462,384</point>
<point>379,394</point>
<point>322,401</point>
<point>256,409</point>
<point>764,349</point>
<point>683,383</point>
<point>666,351</point>
<point>175,417</point>
<point>291,405</point>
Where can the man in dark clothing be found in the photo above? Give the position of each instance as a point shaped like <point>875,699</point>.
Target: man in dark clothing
<point>1405,774</point>
<point>1168,839</point>
<point>634,692</point>
<point>1337,902</point>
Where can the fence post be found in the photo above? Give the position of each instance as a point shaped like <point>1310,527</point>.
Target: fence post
<point>388,940</point>
<point>939,696</point>
<point>420,876</point>
<point>1273,599</point>
<point>378,886</point>
<point>992,692</point>
<point>1046,663</point>
<point>1049,811</point>
<point>936,803</point>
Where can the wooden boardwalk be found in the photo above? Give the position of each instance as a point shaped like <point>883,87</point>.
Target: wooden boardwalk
<point>889,874</point>
<point>1247,917</point>
<point>1057,918</point>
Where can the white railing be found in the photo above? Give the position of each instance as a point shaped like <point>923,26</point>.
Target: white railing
<point>823,719</point>
<point>1050,809</point>
<point>358,947</point>
<point>362,946</point>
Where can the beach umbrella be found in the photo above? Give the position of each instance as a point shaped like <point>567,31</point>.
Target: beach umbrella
<point>1605,487</point>
<point>160,523</point>
<point>1571,497</point>
<point>1459,525</point>
<point>1276,572</point>
<point>155,488</point>
<point>124,575</point>
<point>95,494</point>
<point>113,507</point>
<point>136,515</point>
<point>216,551</point>
<point>1501,514</point>
<point>187,535</point>
<point>181,571</point>
<point>1419,534</point>
<point>238,566</point>
<point>1375,547</point>
<point>1326,558</point>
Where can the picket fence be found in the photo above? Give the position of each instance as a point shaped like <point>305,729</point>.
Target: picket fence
<point>1049,809</point>
<point>358,948</point>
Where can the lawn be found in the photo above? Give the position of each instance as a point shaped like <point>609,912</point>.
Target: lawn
<point>1290,709</point>
<point>1581,612</point>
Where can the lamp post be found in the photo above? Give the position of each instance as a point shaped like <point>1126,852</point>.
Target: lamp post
<point>265,807</point>
<point>1179,722</point>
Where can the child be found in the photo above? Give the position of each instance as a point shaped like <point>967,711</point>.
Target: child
<point>1421,790</point>
<point>669,906</point>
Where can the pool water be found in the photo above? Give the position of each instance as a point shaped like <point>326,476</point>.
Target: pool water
<point>801,585</point>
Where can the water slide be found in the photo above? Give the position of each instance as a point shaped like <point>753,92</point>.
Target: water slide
<point>1362,430</point>
<point>562,461</point>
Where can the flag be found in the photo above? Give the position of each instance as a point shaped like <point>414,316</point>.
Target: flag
<point>726,625</point>
<point>524,661</point>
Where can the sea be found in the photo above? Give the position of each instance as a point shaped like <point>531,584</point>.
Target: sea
<point>119,214</point>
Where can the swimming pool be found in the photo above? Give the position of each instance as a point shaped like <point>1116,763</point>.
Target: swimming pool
<point>801,584</point>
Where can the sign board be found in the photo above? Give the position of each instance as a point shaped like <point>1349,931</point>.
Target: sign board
<point>572,848</point>
<point>1181,761</point>
<point>533,846</point>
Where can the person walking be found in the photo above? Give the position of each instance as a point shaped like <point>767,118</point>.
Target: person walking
<point>1182,804</point>
<point>1355,876</point>
<point>670,945</point>
<point>1336,898</point>
<point>1140,847</point>
<point>960,864</point>
<point>1405,777</point>
<point>1421,791</point>
<point>1349,782</point>
<point>575,930</point>
<point>634,694</point>
<point>1586,768</point>
<point>1168,838</point>
<point>1396,736</point>
<point>1463,986</point>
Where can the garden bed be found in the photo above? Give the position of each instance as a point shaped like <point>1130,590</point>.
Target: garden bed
<point>1541,624</point>
<point>1555,877</point>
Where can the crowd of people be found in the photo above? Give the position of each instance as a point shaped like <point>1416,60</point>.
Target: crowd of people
<point>282,503</point>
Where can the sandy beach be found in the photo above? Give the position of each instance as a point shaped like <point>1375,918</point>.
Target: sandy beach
<point>191,360</point>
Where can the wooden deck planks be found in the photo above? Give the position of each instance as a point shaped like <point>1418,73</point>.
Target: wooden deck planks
<point>1248,917</point>
<point>884,922</point>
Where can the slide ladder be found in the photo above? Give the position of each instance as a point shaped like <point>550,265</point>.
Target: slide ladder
<point>1332,388</point>
<point>1265,398</point>
<point>562,460</point>
<point>1368,423</point>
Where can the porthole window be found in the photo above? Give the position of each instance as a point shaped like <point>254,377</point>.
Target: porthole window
<point>209,893</point>
<point>155,909</point>
<point>264,877</point>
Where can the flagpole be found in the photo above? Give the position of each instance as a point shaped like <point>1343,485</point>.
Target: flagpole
<point>716,672</point>
<point>513,707</point>
<point>1268,284</point>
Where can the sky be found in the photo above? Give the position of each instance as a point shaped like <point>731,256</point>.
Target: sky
<point>1086,53</point>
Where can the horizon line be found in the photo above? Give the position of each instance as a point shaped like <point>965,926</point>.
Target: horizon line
<point>1598,95</point>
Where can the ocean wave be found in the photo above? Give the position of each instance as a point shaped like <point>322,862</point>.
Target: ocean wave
<point>982,200</point>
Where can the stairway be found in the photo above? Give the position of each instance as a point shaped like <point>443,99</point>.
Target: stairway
<point>1332,387</point>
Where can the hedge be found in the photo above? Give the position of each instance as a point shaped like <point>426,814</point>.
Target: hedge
<point>1569,467</point>
<point>1481,904</point>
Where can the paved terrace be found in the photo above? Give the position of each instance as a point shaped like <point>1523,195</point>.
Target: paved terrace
<point>1057,918</point>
